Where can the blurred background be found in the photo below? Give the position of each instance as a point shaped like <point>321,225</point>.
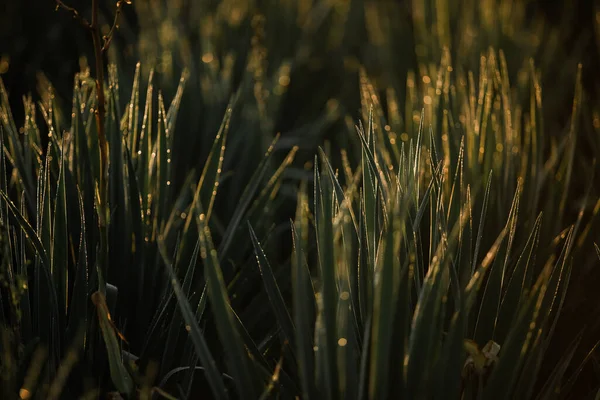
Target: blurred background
<point>35,38</point>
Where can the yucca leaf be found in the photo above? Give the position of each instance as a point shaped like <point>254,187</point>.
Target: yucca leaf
<point>22,223</point>
<point>452,359</point>
<point>133,112</point>
<point>323,195</point>
<point>267,196</point>
<point>272,289</point>
<point>363,384</point>
<point>425,340</point>
<point>484,207</point>
<point>490,303</point>
<point>472,289</point>
<point>245,200</point>
<point>142,157</point>
<point>119,375</point>
<point>552,387</point>
<point>387,283</point>
<point>517,283</point>
<point>506,371</point>
<point>219,299</point>
<point>303,304</point>
<point>163,163</point>
<point>209,180</point>
<point>176,321</point>
<point>342,202</point>
<point>60,243</point>
<point>575,376</point>
<point>370,191</point>
<point>203,352</point>
<point>78,305</point>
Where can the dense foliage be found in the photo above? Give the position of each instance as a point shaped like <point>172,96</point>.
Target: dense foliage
<point>424,246</point>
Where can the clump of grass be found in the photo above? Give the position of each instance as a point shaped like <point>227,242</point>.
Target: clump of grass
<point>432,246</point>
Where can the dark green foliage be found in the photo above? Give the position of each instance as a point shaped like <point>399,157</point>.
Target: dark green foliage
<point>426,251</point>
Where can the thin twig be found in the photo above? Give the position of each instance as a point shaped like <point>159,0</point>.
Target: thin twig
<point>76,15</point>
<point>100,46</point>
<point>100,107</point>
<point>115,25</point>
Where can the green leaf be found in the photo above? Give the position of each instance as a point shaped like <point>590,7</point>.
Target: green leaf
<point>514,350</point>
<point>245,200</point>
<point>327,334</point>
<point>486,198</point>
<point>209,180</point>
<point>272,289</point>
<point>60,237</point>
<point>32,237</point>
<point>303,302</point>
<point>118,373</point>
<point>387,284</point>
<point>490,303</point>
<point>213,375</point>
<point>229,336</point>
<point>78,306</point>
<point>517,285</point>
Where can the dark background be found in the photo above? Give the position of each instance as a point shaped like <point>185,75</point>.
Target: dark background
<point>35,37</point>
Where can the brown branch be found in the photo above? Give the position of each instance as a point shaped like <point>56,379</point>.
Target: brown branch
<point>100,107</point>
<point>115,25</point>
<point>76,15</point>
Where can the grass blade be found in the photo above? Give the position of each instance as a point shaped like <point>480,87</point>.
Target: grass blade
<point>228,334</point>
<point>272,289</point>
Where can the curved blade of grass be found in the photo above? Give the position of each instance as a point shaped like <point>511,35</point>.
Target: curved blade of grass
<point>133,114</point>
<point>118,373</point>
<point>472,289</point>
<point>363,384</point>
<point>60,236</point>
<point>163,162</point>
<point>517,284</point>
<point>486,198</point>
<point>245,200</point>
<point>552,387</point>
<point>272,289</point>
<point>303,301</point>
<point>323,193</point>
<point>209,180</point>
<point>32,237</point>
<point>506,371</point>
<point>424,338</point>
<point>255,354</point>
<point>135,206</point>
<point>142,157</point>
<point>171,116</point>
<point>490,303</point>
<point>78,307</point>
<point>213,375</point>
<point>44,207</point>
<point>266,197</point>
<point>526,385</point>
<point>339,192</point>
<point>422,207</point>
<point>386,296</point>
<point>228,334</point>
<point>573,379</point>
<point>452,358</point>
<point>175,324</point>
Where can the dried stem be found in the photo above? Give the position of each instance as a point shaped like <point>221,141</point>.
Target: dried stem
<point>100,107</point>
<point>115,25</point>
<point>101,45</point>
<point>76,15</point>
